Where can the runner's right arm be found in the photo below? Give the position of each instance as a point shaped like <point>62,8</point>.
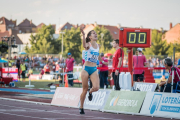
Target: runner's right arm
<point>85,45</point>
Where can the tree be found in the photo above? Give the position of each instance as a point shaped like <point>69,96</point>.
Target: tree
<point>158,46</point>
<point>71,42</point>
<point>43,41</point>
<point>3,47</point>
<point>105,42</point>
<point>176,44</point>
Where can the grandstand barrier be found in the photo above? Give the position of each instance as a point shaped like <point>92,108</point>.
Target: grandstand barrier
<point>161,105</point>
<point>67,97</point>
<point>99,100</point>
<point>151,87</point>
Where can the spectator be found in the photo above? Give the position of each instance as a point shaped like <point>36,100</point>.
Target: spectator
<point>161,63</point>
<point>30,72</point>
<point>83,57</point>
<point>18,66</point>
<point>41,73</point>
<point>13,65</point>
<point>117,63</point>
<point>23,70</point>
<point>57,67</point>
<point>168,65</point>
<point>103,73</point>
<point>62,63</point>
<point>139,61</point>
<point>54,67</point>
<point>47,68</point>
<point>178,64</point>
<point>69,67</point>
<point>150,63</point>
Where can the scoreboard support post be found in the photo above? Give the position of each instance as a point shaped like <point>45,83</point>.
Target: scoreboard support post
<point>130,63</point>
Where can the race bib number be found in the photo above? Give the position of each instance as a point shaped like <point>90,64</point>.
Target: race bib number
<point>93,59</point>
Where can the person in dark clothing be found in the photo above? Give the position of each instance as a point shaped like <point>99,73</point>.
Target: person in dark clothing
<point>117,63</point>
<point>18,66</point>
<point>54,67</point>
<point>103,72</point>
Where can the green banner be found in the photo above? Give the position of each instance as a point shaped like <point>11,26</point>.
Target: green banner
<point>125,101</point>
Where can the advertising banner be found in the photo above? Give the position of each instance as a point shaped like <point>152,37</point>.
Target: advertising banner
<point>125,101</point>
<point>67,96</point>
<point>99,99</point>
<point>12,71</point>
<point>162,104</point>
<point>151,87</point>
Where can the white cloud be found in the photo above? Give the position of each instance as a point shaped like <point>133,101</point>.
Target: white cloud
<point>54,1</point>
<point>37,3</point>
<point>3,14</point>
<point>48,13</point>
<point>18,14</point>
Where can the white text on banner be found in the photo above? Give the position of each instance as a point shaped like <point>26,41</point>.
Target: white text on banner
<point>99,99</point>
<point>149,87</point>
<point>67,96</point>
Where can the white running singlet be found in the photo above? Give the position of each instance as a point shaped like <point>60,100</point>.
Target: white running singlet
<point>91,54</point>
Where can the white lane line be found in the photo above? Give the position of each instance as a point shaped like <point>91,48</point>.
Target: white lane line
<point>26,116</point>
<point>48,104</point>
<point>60,113</point>
<point>41,117</point>
<point>2,110</point>
<point>16,110</point>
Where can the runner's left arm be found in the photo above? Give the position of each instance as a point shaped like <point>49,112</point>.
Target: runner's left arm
<point>100,59</point>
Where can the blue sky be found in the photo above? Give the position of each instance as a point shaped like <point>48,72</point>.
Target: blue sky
<point>129,13</point>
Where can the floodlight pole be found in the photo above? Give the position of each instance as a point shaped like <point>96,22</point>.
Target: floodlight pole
<point>62,55</point>
<point>173,69</point>
<point>9,52</point>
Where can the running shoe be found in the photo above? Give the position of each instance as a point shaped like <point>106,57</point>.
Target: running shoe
<point>81,111</point>
<point>90,96</point>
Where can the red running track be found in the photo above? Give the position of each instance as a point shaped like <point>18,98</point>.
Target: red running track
<point>15,110</point>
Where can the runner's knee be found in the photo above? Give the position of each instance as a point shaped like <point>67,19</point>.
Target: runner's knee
<point>85,90</point>
<point>96,88</point>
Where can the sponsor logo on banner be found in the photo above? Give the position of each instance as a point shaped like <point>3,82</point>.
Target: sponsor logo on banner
<point>99,99</point>
<point>11,70</point>
<point>67,96</point>
<point>123,102</point>
<point>145,86</point>
<point>126,101</point>
<point>114,101</point>
<point>162,104</point>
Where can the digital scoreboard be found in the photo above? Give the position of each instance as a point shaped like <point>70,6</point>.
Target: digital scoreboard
<point>134,37</point>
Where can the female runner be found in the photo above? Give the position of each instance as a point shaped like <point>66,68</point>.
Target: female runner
<point>91,57</point>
